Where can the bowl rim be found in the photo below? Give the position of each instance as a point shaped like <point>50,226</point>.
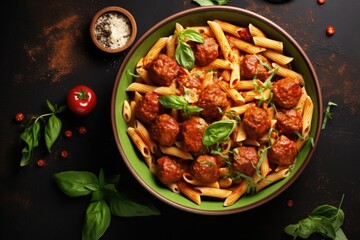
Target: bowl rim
<point>122,11</point>
<point>272,25</point>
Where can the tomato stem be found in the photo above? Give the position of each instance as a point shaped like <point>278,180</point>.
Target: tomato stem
<point>82,94</point>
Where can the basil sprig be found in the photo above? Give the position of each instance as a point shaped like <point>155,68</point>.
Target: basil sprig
<point>178,103</point>
<point>218,131</point>
<point>184,55</point>
<point>327,114</point>
<point>106,200</point>
<point>324,219</point>
<point>31,134</point>
<point>211,2</point>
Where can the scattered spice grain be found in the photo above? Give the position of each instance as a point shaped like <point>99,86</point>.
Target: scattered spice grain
<point>19,117</point>
<point>330,30</point>
<point>68,134</point>
<point>82,130</point>
<point>113,30</point>
<point>321,2</point>
<point>290,203</point>
<point>41,163</point>
<point>64,154</point>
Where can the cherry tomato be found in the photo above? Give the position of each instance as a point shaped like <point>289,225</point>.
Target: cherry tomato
<point>81,100</point>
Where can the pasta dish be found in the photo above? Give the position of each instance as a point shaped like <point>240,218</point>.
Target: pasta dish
<point>216,111</point>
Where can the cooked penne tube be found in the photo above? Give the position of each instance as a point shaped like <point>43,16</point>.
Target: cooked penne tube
<point>220,64</point>
<point>232,93</point>
<point>229,28</point>
<point>268,43</point>
<point>139,143</point>
<point>177,152</point>
<point>255,31</point>
<point>189,192</point>
<point>236,193</point>
<point>170,46</point>
<point>155,50</point>
<point>145,136</point>
<point>194,182</point>
<point>213,192</point>
<point>221,38</point>
<point>285,72</point>
<point>245,46</point>
<point>140,87</point>
<point>127,114</point>
<point>241,109</point>
<point>167,91</point>
<point>277,57</point>
<point>271,178</point>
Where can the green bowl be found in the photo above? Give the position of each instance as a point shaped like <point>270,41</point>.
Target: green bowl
<point>199,16</point>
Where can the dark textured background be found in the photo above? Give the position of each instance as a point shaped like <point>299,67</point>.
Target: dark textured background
<point>46,50</point>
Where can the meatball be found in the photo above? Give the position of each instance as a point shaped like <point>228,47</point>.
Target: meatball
<point>288,122</point>
<point>165,130</point>
<point>283,151</point>
<point>205,52</point>
<point>287,92</point>
<point>163,70</point>
<point>168,170</point>
<point>192,131</point>
<point>185,80</point>
<point>205,169</point>
<point>245,34</point>
<point>245,160</point>
<point>251,66</point>
<point>210,100</point>
<point>148,108</point>
<point>256,122</point>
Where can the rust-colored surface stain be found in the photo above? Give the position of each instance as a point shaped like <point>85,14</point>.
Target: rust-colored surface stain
<point>58,47</point>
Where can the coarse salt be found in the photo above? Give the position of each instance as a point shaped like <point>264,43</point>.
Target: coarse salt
<point>112,30</point>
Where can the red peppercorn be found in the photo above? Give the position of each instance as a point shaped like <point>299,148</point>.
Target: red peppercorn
<point>290,203</point>
<point>321,1</point>
<point>330,30</point>
<point>19,117</point>
<point>68,133</point>
<point>41,163</point>
<point>64,154</point>
<point>82,130</point>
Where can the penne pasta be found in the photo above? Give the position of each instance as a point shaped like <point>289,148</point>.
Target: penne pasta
<point>277,57</point>
<point>271,178</point>
<point>145,136</point>
<point>236,193</point>
<point>213,192</point>
<point>255,32</point>
<point>176,152</point>
<point>189,192</point>
<point>140,87</point>
<point>268,43</point>
<point>155,50</point>
<point>194,182</point>
<point>139,143</point>
<point>221,38</point>
<point>285,72</point>
<point>127,113</point>
<point>245,46</point>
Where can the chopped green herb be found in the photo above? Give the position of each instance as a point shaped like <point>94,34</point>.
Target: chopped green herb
<point>325,220</point>
<point>327,114</point>
<point>211,2</point>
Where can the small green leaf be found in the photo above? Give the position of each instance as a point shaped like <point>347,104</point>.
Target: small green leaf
<point>97,220</point>
<point>77,183</point>
<point>52,131</point>
<point>218,131</point>
<point>50,106</point>
<point>173,101</point>
<point>192,35</point>
<point>30,136</point>
<point>130,203</point>
<point>184,55</point>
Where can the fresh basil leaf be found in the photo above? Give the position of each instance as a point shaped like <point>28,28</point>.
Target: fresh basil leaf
<point>335,215</point>
<point>101,178</point>
<point>218,131</point>
<point>323,226</point>
<point>52,131</point>
<point>340,235</point>
<point>97,196</point>
<point>192,35</point>
<point>30,136</point>
<point>61,109</point>
<point>97,220</point>
<point>184,55</point>
<point>292,229</point>
<point>211,2</point>
<point>77,183</point>
<point>50,106</point>
<point>173,101</point>
<point>130,203</point>
<point>192,109</point>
